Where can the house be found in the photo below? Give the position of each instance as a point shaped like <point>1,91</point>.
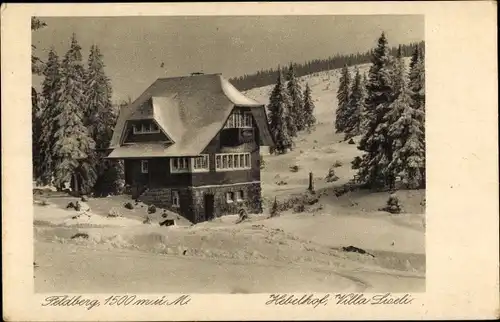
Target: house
<point>191,144</point>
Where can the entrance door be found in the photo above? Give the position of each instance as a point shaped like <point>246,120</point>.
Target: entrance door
<point>209,207</point>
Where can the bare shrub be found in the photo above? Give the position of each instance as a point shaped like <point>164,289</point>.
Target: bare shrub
<point>114,212</point>
<point>147,221</point>
<point>393,205</point>
<point>351,141</point>
<point>294,168</point>
<point>243,215</point>
<point>275,208</point>
<point>151,209</point>
<point>337,164</point>
<point>299,208</point>
<point>129,205</point>
<point>331,176</point>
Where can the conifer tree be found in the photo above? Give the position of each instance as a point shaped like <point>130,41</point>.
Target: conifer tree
<point>376,142</point>
<point>417,88</point>
<point>36,68</point>
<point>100,115</point>
<point>343,96</point>
<point>297,102</point>
<point>51,91</point>
<point>73,147</point>
<point>278,108</point>
<point>355,108</point>
<point>100,119</point>
<point>406,131</point>
<point>309,118</point>
<point>399,72</point>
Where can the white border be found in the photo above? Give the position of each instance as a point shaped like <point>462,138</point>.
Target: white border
<point>462,203</point>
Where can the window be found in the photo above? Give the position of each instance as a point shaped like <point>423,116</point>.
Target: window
<point>239,120</point>
<point>187,164</point>
<point>178,165</point>
<point>229,197</point>
<point>144,166</point>
<point>232,161</point>
<point>145,128</point>
<point>201,163</point>
<point>175,198</point>
<point>239,196</point>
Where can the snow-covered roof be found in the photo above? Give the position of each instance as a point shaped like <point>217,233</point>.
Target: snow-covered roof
<point>191,110</point>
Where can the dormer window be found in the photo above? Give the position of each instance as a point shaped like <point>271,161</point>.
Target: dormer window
<point>145,128</point>
<point>239,120</point>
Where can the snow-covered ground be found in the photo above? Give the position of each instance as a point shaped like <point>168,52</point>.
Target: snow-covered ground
<point>292,252</point>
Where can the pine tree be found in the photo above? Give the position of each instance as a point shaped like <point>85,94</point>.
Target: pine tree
<point>51,91</point>
<point>355,108</point>
<point>36,68</point>
<point>297,102</point>
<point>364,113</point>
<point>36,62</point>
<point>408,145</point>
<point>399,72</point>
<point>100,119</point>
<point>343,96</point>
<point>278,108</point>
<point>417,88</point>
<point>376,142</point>
<point>100,114</point>
<point>73,147</point>
<point>309,119</point>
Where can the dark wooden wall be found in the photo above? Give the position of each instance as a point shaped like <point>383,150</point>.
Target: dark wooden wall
<point>159,168</point>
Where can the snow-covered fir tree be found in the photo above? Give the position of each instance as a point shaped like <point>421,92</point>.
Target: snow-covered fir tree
<point>36,69</point>
<point>408,146</point>
<point>309,118</point>
<point>100,115</point>
<point>417,88</point>
<point>100,119</point>
<point>355,107</point>
<point>279,114</point>
<point>297,102</point>
<point>399,72</point>
<point>51,91</point>
<point>376,142</point>
<point>343,96</point>
<point>73,147</point>
<point>364,113</point>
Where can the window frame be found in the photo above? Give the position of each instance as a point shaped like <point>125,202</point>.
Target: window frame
<point>220,166</point>
<point>176,200</point>
<point>239,196</point>
<point>180,160</point>
<point>144,162</point>
<point>144,130</point>
<point>239,120</point>
<point>204,169</point>
<point>231,199</point>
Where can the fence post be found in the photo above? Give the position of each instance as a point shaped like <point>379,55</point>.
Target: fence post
<point>311,182</point>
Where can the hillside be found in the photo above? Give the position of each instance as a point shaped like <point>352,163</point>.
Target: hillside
<point>294,252</point>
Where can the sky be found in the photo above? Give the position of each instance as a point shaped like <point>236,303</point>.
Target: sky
<point>134,48</point>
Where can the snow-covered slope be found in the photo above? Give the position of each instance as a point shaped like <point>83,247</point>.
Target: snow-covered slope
<point>125,255</point>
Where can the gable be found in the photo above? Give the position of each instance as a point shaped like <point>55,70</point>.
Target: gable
<point>145,130</point>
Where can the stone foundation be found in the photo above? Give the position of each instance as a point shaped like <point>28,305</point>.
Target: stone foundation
<point>251,200</point>
<point>192,200</point>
